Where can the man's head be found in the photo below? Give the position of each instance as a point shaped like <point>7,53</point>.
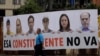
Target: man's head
<point>85,19</point>
<point>8,24</point>
<point>30,22</point>
<point>45,22</point>
<point>38,31</point>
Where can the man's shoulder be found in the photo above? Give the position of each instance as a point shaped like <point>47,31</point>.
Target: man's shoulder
<point>41,34</point>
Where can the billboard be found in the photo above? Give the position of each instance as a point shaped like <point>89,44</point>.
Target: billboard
<point>72,29</point>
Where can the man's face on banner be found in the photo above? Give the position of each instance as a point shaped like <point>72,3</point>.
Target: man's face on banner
<point>85,19</point>
<point>8,26</point>
<point>45,24</point>
<point>31,23</point>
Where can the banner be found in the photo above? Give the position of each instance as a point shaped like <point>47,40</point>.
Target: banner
<point>73,29</point>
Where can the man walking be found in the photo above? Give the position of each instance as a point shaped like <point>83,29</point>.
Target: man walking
<point>39,43</point>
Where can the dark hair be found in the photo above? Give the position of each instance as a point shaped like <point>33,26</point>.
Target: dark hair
<point>39,30</point>
<point>45,19</point>
<point>67,27</point>
<point>89,14</point>
<point>30,17</point>
<point>8,22</point>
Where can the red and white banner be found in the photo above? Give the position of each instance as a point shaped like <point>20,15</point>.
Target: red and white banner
<point>53,41</point>
<point>17,29</point>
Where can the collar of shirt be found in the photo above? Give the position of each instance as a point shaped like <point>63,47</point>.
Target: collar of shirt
<point>85,28</point>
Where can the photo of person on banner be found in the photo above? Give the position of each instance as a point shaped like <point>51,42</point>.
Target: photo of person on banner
<point>8,28</point>
<point>85,21</point>
<point>45,22</point>
<point>31,25</point>
<point>18,31</point>
<point>18,27</point>
<point>46,29</point>
<point>64,24</point>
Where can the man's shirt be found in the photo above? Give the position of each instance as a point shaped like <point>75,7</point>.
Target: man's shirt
<point>88,29</point>
<point>39,39</point>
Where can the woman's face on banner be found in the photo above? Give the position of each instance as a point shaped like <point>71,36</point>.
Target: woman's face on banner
<point>64,21</point>
<point>18,25</point>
